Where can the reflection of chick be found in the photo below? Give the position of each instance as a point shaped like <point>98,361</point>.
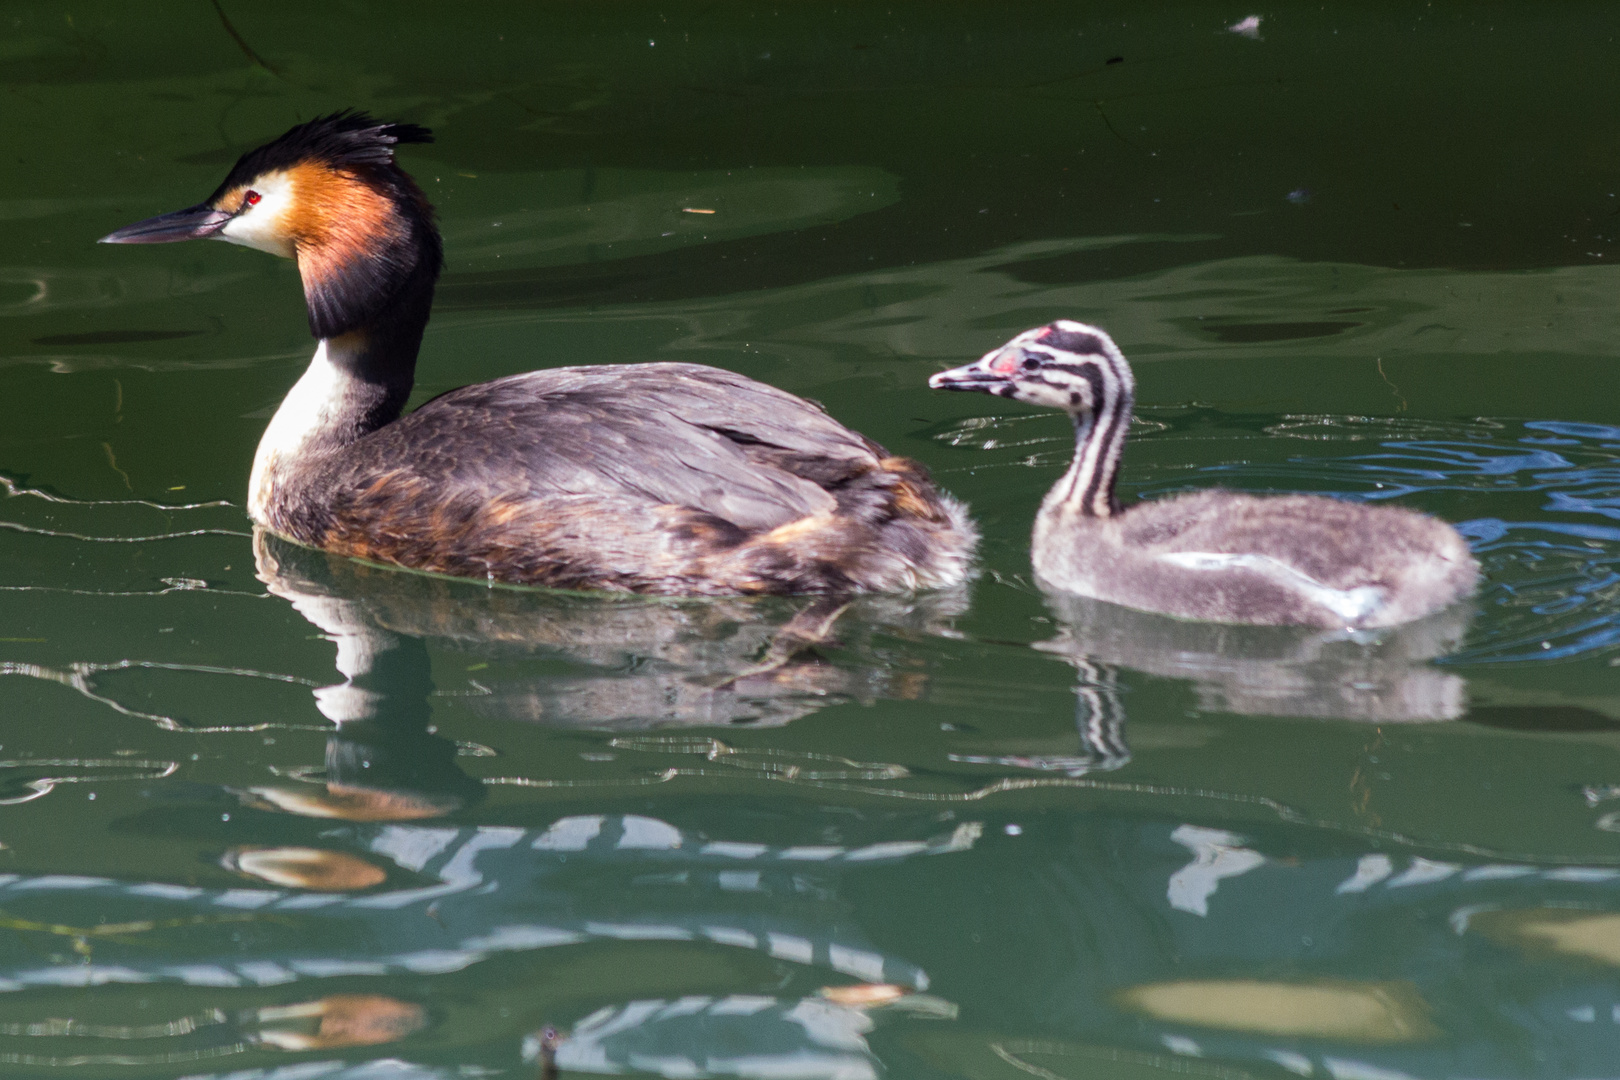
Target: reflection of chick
<point>337,1021</point>
<point>304,868</point>
<point>1378,675</point>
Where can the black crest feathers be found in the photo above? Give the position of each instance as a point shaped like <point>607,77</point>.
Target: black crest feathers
<point>347,139</point>
<point>381,279</point>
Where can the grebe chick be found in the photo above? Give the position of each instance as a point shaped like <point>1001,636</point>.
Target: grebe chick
<point>672,479</point>
<point>1212,556</point>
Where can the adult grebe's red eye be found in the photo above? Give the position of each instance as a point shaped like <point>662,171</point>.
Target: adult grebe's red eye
<point>252,198</point>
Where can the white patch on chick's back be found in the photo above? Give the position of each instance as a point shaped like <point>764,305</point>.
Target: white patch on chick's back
<point>1351,605</point>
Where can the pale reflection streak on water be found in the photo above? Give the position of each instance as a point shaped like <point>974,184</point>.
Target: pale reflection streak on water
<point>939,311</point>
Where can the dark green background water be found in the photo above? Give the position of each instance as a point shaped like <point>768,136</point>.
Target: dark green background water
<point>1364,252</point>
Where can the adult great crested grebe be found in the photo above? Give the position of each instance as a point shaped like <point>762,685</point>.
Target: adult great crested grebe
<point>674,479</point>
<point>1214,556</point>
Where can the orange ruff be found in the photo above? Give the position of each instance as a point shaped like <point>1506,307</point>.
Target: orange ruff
<point>336,220</point>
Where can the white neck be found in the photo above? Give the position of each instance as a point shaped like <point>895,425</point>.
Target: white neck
<point>317,414</point>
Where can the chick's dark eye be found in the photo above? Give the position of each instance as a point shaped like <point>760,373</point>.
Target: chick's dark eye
<point>251,198</point>
<point>1030,363</point>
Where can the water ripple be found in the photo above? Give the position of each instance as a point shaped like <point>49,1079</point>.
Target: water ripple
<point>12,489</point>
<point>83,677</point>
<point>1552,583</point>
<point>40,513</point>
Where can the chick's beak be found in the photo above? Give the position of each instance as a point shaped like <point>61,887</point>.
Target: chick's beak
<point>980,375</point>
<point>194,223</point>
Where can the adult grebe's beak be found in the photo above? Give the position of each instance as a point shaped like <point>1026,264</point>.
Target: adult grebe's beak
<point>194,223</point>
<point>988,374</point>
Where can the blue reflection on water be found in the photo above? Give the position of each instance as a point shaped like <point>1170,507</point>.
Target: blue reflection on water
<point>1552,586</point>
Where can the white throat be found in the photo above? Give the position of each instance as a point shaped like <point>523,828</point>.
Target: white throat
<point>315,410</point>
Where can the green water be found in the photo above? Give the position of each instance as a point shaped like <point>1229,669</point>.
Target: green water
<point>270,815</point>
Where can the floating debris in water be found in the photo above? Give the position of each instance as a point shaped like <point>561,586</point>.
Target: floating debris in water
<point>1249,27</point>
<point>1590,935</point>
<point>184,583</point>
<point>1300,196</point>
<point>304,868</point>
<point>1346,1011</point>
<point>863,994</point>
<point>341,1020</point>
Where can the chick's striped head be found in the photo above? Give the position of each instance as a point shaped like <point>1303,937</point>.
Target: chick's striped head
<point>1064,365</point>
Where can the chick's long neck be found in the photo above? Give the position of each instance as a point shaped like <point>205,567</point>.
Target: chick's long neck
<point>1087,487</point>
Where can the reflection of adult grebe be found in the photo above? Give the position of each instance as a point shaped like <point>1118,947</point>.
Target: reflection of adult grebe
<point>674,479</point>
<point>383,762</point>
<point>1214,556</point>
<point>638,663</point>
